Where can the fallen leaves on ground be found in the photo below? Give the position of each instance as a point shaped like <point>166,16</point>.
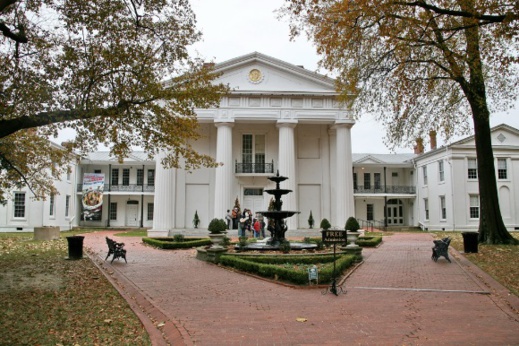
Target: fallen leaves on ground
<point>48,300</point>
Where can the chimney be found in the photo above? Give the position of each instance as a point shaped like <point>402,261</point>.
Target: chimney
<point>432,137</point>
<point>418,148</point>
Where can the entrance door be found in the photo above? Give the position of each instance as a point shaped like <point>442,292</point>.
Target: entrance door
<point>132,214</point>
<point>253,200</point>
<point>395,212</point>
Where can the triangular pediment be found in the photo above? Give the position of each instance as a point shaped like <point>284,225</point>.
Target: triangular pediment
<point>257,73</point>
<point>502,135</point>
<point>368,159</point>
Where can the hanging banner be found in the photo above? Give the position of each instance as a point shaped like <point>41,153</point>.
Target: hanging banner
<point>92,199</point>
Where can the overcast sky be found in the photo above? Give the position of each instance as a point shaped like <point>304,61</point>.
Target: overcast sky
<point>233,28</point>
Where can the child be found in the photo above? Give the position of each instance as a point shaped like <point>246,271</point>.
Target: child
<point>257,228</point>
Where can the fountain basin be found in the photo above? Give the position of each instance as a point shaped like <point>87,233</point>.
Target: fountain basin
<point>278,214</point>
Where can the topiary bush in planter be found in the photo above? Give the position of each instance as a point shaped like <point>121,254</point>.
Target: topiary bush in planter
<point>217,226</point>
<point>325,224</point>
<point>352,224</point>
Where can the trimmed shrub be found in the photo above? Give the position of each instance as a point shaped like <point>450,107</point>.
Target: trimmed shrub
<point>178,237</point>
<point>325,224</point>
<point>368,241</point>
<point>217,226</point>
<point>352,224</point>
<point>169,243</point>
<point>256,265</point>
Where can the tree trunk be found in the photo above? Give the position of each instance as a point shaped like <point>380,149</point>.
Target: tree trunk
<point>492,229</point>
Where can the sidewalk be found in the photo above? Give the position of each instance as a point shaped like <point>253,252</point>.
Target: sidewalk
<point>398,296</point>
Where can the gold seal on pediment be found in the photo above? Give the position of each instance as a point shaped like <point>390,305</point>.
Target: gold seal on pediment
<point>255,75</point>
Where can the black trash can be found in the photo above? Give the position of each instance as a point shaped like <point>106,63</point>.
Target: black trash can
<point>75,247</point>
<point>470,242</point>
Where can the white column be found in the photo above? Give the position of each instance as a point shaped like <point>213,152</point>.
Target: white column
<point>224,173</point>
<point>287,167</point>
<point>164,199</point>
<point>344,200</point>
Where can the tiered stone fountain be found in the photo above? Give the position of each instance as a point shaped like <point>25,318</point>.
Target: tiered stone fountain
<point>276,221</point>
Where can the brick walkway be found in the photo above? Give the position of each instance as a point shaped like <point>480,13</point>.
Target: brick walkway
<point>398,296</point>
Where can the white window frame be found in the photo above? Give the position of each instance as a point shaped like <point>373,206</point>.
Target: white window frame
<point>112,211</point>
<point>474,206</point>
<point>472,168</point>
<point>426,208</point>
<point>52,206</point>
<point>424,173</point>
<point>502,170</point>
<point>443,208</point>
<point>150,211</point>
<point>67,205</point>
<point>441,171</point>
<point>17,205</point>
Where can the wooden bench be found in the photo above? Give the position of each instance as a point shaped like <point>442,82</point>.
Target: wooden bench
<point>116,249</point>
<point>441,248</point>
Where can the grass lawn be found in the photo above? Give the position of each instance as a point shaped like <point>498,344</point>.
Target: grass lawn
<point>48,300</point>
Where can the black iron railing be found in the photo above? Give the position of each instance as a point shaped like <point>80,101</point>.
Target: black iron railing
<point>371,225</point>
<point>254,167</point>
<point>386,189</point>
<point>124,188</point>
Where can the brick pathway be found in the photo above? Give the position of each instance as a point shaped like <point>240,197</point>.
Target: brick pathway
<point>398,296</point>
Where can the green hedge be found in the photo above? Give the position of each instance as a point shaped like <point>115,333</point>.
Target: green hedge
<point>168,243</point>
<point>368,241</point>
<point>299,277</point>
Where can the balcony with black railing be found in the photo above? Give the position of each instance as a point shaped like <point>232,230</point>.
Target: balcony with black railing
<point>254,168</point>
<point>133,188</point>
<point>393,189</point>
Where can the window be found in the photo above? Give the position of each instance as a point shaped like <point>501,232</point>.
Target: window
<point>51,205</point>
<point>443,208</point>
<point>67,205</point>
<point>69,172</point>
<point>474,207</point>
<point>19,204</point>
<point>441,172</point>
<point>501,169</point>
<point>140,177</point>
<point>367,181</point>
<point>472,172</point>
<point>126,176</point>
<point>424,171</point>
<point>113,211</point>
<point>426,207</point>
<point>355,187</point>
<point>151,177</point>
<point>369,212</point>
<point>376,177</point>
<point>253,192</point>
<point>97,171</point>
<point>150,211</point>
<point>253,153</point>
<point>115,176</point>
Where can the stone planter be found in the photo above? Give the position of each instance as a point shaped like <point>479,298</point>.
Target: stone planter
<point>217,240</point>
<point>352,237</point>
<point>46,233</point>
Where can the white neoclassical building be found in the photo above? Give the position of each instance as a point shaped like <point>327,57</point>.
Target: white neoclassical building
<point>278,117</point>
<point>281,117</point>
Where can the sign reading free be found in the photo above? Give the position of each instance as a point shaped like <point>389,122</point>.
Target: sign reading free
<point>334,236</point>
